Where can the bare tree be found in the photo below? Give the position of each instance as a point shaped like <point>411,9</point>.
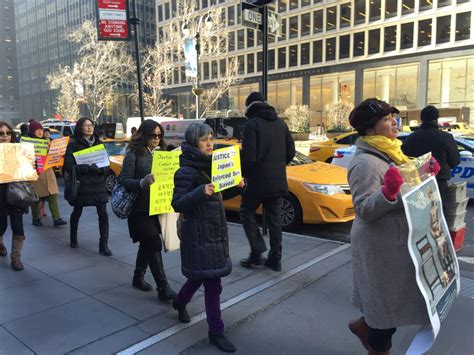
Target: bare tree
<point>102,67</point>
<point>67,100</point>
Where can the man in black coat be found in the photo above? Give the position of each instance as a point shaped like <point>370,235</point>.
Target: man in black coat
<point>429,138</point>
<point>267,147</point>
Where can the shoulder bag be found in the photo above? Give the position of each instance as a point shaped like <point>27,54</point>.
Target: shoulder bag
<point>21,194</point>
<point>122,200</point>
<point>71,188</point>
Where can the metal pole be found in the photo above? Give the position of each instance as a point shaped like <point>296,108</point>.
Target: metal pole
<point>264,87</point>
<point>135,22</point>
<point>198,72</point>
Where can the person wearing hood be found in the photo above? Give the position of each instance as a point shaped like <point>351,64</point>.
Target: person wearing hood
<point>46,186</point>
<point>429,138</point>
<point>267,147</point>
<point>92,191</point>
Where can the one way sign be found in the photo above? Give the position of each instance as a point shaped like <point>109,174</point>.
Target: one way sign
<point>252,16</point>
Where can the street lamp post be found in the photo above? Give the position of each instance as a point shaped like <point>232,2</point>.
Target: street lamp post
<point>135,22</point>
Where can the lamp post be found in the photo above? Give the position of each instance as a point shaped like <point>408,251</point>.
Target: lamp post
<point>135,22</point>
<point>197,91</point>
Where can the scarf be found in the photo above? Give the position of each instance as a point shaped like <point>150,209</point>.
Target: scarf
<point>91,141</point>
<point>391,147</point>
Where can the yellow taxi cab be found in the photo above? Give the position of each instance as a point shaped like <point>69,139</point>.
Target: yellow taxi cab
<point>116,148</point>
<point>324,151</point>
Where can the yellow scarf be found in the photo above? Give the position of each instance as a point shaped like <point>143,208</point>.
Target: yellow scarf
<point>391,147</point>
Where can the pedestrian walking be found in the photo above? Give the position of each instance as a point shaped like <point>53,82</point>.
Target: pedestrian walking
<point>7,135</point>
<point>204,237</point>
<point>46,187</point>
<point>145,229</point>
<point>429,138</point>
<point>92,191</point>
<point>267,147</point>
<point>384,277</point>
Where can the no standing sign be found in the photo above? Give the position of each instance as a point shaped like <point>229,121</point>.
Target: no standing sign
<point>112,20</point>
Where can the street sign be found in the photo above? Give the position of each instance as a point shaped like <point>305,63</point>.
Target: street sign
<point>251,16</point>
<point>112,20</point>
<point>274,23</point>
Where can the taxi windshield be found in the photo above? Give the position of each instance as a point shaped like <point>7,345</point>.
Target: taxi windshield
<point>300,159</point>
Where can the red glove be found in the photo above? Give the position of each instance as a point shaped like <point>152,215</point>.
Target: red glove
<point>434,166</point>
<point>392,181</point>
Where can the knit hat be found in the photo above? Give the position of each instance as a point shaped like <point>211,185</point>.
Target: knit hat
<point>34,125</point>
<point>253,97</point>
<point>367,113</point>
<point>429,113</point>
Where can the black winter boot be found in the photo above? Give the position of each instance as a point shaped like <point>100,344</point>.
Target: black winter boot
<point>222,343</point>
<point>183,314</point>
<point>104,237</point>
<point>140,271</point>
<point>73,224</point>
<point>165,292</point>
<point>252,260</point>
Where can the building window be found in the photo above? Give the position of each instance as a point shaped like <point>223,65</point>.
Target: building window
<point>293,56</point>
<point>306,24</point>
<point>167,10</point>
<point>359,12</point>
<point>304,59</point>
<point>250,38</point>
<point>331,18</point>
<point>214,71</point>
<point>463,26</point>
<point>374,41</point>
<point>443,29</point>
<point>231,44</point>
<point>205,66</point>
<point>305,3</point>
<point>250,63</point>
<point>204,4</point>
<point>293,4</point>
<point>344,46</point>
<point>406,39</point>
<point>358,43</point>
<point>241,60</point>
<point>282,4</point>
<point>318,21</point>
<point>426,5</point>
<point>259,61</point>
<point>230,15</point>
<point>330,49</point>
<point>390,38</point>
<point>271,59</point>
<point>374,10</point>
<point>317,51</point>
<point>442,3</point>
<point>293,27</point>
<point>424,33</point>
<point>160,13</point>
<point>222,67</point>
<point>408,6</point>
<point>345,15</point>
<point>282,58</point>
<point>390,8</point>
<point>240,39</point>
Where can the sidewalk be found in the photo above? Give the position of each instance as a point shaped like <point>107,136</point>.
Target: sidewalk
<point>77,301</point>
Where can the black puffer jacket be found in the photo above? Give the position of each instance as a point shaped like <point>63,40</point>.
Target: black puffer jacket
<point>204,240</point>
<point>92,191</point>
<point>428,138</point>
<point>267,147</point>
<point>135,167</point>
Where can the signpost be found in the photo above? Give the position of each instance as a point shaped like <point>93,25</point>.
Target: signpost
<point>112,20</point>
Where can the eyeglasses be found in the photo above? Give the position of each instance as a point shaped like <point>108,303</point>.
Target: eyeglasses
<point>5,134</point>
<point>88,125</point>
<point>155,136</point>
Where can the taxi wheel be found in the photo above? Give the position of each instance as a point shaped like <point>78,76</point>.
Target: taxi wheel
<point>110,182</point>
<point>291,213</point>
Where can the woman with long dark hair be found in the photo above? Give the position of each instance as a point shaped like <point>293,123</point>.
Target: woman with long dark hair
<point>7,135</point>
<point>92,191</point>
<point>145,229</point>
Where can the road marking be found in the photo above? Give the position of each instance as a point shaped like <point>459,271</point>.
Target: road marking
<point>154,339</point>
<point>466,259</point>
<point>467,287</point>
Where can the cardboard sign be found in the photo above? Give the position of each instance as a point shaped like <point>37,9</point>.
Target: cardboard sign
<point>226,170</point>
<point>164,167</point>
<point>41,151</point>
<point>57,149</point>
<point>17,162</point>
<point>94,155</point>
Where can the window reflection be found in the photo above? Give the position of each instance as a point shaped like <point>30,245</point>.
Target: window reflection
<point>463,26</point>
<point>424,33</point>
<point>304,54</point>
<point>293,26</point>
<point>443,29</point>
<point>344,44</point>
<point>406,40</point>
<point>293,55</point>
<point>282,58</point>
<point>390,8</point>
<point>359,11</point>
<point>408,6</point>
<point>374,10</point>
<point>426,5</point>
<point>306,24</point>
<point>345,15</point>
<point>358,44</point>
<point>318,21</point>
<point>317,51</point>
<point>330,49</point>
<point>390,38</point>
<point>374,41</point>
<point>331,18</point>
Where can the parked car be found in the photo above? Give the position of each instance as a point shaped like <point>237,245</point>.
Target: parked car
<point>65,127</point>
<point>116,148</point>
<point>324,151</point>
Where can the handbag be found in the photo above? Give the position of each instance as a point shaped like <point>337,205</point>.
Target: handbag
<point>169,230</point>
<point>71,188</point>
<point>122,200</point>
<point>21,194</point>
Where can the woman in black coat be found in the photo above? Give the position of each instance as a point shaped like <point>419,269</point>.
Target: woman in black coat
<point>204,237</point>
<point>92,191</point>
<point>136,176</point>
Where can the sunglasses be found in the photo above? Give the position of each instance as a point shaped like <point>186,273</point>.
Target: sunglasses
<point>155,136</point>
<point>4,134</point>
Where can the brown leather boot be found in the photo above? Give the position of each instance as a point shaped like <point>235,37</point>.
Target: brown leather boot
<point>360,329</point>
<point>17,245</point>
<point>3,250</point>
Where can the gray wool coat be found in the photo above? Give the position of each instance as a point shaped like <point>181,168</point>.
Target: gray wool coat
<point>385,288</point>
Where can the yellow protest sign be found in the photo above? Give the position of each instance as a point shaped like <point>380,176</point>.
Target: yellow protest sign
<point>226,170</point>
<point>164,167</point>
<point>94,155</point>
<point>41,150</point>
<point>57,149</point>
<point>17,162</point>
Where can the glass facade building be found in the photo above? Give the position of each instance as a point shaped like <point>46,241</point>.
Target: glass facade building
<point>408,52</point>
<point>42,45</point>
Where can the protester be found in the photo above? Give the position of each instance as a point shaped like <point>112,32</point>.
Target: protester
<point>204,240</point>
<point>92,191</point>
<point>133,130</point>
<point>384,277</point>
<point>47,134</point>
<point>24,130</point>
<point>267,147</point>
<point>7,135</point>
<point>46,187</point>
<point>136,176</point>
<point>429,138</point>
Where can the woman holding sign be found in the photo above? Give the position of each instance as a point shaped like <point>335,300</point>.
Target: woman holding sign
<point>136,176</point>
<point>46,186</point>
<point>204,237</point>
<point>92,191</point>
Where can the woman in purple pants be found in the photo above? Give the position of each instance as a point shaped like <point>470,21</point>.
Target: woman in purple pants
<point>204,238</point>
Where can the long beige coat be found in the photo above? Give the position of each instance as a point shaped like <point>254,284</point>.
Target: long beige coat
<point>46,184</point>
<point>385,288</point>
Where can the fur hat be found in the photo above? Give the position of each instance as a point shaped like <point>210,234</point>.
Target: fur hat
<point>34,125</point>
<point>367,113</point>
<point>253,97</point>
<point>429,113</point>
